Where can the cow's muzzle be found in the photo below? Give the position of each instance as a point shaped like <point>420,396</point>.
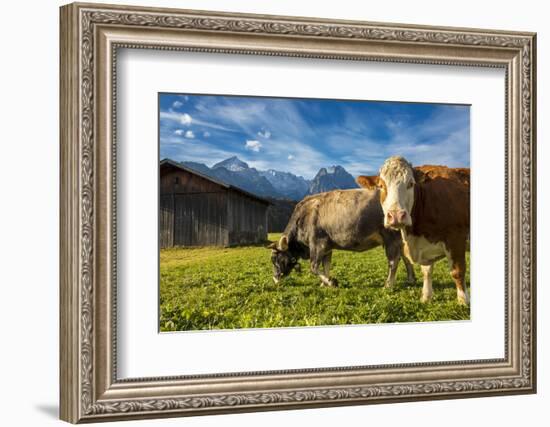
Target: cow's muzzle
<point>397,218</point>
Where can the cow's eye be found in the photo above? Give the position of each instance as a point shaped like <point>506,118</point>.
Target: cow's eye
<point>410,184</point>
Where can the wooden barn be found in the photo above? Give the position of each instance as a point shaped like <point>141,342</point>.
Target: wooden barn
<point>197,210</point>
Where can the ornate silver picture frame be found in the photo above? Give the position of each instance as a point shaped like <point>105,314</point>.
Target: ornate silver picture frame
<point>91,34</point>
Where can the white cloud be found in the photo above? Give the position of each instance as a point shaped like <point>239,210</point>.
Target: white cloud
<point>265,134</point>
<point>186,119</point>
<point>310,159</point>
<point>206,134</point>
<point>178,131</point>
<point>177,104</point>
<point>253,145</point>
<point>189,134</point>
<point>242,115</point>
<point>394,124</point>
<point>290,157</point>
<point>172,148</point>
<point>443,138</point>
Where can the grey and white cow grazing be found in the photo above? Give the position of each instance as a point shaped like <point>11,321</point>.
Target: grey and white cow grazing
<point>350,220</point>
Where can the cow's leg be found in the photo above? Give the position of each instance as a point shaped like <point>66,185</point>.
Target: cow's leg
<point>393,263</point>
<point>315,265</point>
<point>393,253</point>
<point>318,253</point>
<point>316,269</point>
<point>326,269</point>
<point>411,279</point>
<point>427,290</point>
<point>392,270</point>
<point>458,270</point>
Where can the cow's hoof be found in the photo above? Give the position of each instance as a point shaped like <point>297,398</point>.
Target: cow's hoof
<point>332,283</point>
<point>426,299</point>
<point>462,298</point>
<point>411,282</point>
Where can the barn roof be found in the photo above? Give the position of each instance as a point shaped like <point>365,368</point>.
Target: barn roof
<point>185,168</point>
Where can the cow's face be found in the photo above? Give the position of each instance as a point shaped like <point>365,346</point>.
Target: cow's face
<point>283,262</point>
<point>396,183</point>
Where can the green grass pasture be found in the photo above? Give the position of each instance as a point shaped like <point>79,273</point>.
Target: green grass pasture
<point>228,288</point>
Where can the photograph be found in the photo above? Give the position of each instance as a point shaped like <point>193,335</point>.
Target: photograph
<point>282,212</point>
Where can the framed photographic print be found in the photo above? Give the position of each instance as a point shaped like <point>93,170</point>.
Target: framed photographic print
<point>266,212</point>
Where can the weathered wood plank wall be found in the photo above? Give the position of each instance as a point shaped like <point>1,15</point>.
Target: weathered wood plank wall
<point>195,211</point>
<point>166,221</point>
<point>247,219</point>
<point>200,219</point>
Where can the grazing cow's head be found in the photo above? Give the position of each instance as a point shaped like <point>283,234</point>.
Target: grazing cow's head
<point>396,185</point>
<point>283,261</point>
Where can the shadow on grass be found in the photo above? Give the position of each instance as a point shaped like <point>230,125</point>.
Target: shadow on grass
<point>261,244</point>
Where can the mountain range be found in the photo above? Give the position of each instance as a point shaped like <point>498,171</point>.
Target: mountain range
<point>332,178</point>
<point>272,183</point>
<point>287,184</point>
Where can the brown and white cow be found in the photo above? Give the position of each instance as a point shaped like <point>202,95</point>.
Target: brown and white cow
<point>430,205</point>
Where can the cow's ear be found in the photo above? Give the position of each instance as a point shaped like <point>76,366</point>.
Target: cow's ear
<point>419,176</point>
<point>272,246</point>
<point>282,245</point>
<point>370,182</point>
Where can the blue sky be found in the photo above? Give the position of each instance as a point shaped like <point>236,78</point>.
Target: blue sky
<point>303,135</point>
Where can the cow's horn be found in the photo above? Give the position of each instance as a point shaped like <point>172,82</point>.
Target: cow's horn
<point>283,243</point>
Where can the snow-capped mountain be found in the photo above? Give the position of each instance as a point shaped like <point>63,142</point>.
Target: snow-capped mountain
<point>273,183</point>
<point>236,172</point>
<point>332,178</point>
<point>233,164</point>
<point>291,186</point>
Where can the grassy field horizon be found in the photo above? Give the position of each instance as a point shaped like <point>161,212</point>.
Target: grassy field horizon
<point>211,288</point>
